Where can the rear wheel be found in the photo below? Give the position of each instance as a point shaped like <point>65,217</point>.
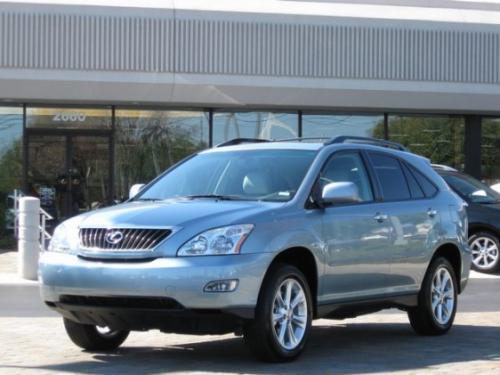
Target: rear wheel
<point>283,316</point>
<point>92,337</point>
<point>485,249</point>
<point>437,301</point>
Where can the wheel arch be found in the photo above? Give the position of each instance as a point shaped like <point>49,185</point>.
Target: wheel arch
<point>304,259</point>
<point>481,227</point>
<point>450,252</point>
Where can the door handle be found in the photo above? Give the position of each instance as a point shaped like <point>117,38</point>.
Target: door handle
<point>431,212</point>
<point>380,217</point>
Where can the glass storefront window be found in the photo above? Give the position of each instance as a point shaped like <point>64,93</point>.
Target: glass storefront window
<point>11,167</point>
<point>265,125</point>
<point>148,142</point>
<point>69,173</point>
<point>490,150</point>
<point>333,125</point>
<point>68,118</point>
<point>439,138</point>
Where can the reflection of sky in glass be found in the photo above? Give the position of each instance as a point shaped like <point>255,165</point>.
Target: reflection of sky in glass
<point>334,125</point>
<point>266,125</point>
<point>11,129</point>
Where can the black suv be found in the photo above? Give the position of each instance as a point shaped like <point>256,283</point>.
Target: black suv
<point>484,217</point>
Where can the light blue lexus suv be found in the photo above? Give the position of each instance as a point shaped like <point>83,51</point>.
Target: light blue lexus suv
<point>259,238</point>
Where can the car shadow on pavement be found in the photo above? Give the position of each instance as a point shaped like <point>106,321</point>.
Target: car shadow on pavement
<point>355,348</point>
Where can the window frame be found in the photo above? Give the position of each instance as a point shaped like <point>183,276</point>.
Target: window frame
<point>407,170</point>
<point>411,168</point>
<point>315,190</point>
<point>414,172</point>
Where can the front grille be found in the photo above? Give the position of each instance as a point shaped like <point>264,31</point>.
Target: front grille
<point>162,303</point>
<point>122,238</point>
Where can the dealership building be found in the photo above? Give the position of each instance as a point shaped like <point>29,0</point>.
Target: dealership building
<point>98,95</point>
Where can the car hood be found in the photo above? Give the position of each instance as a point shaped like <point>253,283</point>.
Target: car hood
<point>174,213</point>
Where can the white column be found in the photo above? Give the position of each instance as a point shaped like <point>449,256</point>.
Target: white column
<point>29,237</point>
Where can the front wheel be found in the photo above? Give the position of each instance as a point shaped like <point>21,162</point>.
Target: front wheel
<point>92,337</point>
<point>283,316</point>
<point>437,300</point>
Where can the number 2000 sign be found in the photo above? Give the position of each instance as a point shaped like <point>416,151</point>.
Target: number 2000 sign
<point>72,117</point>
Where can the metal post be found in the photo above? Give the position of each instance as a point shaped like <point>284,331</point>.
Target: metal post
<point>29,237</point>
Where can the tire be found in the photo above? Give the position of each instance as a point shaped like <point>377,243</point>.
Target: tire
<point>485,247</point>
<point>273,317</point>
<point>90,337</point>
<point>436,311</point>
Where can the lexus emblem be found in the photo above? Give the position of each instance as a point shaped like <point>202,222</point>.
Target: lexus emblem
<point>113,237</point>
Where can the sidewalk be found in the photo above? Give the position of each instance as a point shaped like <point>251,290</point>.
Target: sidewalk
<point>8,270</point>
<point>376,343</point>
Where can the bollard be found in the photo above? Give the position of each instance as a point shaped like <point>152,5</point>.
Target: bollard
<point>29,237</point>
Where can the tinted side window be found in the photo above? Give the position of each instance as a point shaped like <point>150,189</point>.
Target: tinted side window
<point>415,190</point>
<point>391,177</point>
<point>348,167</point>
<point>427,186</point>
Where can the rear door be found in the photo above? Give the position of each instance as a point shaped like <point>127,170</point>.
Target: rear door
<point>411,216</point>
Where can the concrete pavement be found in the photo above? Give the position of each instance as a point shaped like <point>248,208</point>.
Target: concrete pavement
<point>33,341</point>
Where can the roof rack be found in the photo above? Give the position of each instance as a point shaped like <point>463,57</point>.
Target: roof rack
<point>366,140</point>
<point>239,141</point>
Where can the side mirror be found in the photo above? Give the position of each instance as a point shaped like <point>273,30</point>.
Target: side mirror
<point>134,190</point>
<point>340,192</point>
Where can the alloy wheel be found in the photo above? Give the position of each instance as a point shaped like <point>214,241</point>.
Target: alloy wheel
<point>289,314</point>
<point>442,296</point>
<point>485,252</point>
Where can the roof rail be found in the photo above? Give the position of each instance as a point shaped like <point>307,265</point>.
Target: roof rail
<point>366,140</point>
<point>442,167</point>
<point>239,141</point>
<point>299,139</point>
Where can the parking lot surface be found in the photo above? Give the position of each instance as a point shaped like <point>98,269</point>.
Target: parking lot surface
<point>33,341</point>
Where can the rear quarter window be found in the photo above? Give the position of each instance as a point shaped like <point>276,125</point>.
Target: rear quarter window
<point>415,189</point>
<point>427,186</point>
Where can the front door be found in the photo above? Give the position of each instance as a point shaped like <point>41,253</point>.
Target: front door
<point>69,173</point>
<point>357,237</point>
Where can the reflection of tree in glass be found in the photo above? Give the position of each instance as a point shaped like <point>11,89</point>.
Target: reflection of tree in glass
<point>265,125</point>
<point>440,139</point>
<point>378,130</point>
<point>329,125</point>
<point>490,150</point>
<point>10,177</point>
<point>150,143</point>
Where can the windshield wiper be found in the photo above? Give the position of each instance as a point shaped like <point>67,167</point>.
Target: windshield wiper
<point>147,199</point>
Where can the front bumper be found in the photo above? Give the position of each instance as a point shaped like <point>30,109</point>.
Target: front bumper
<point>179,279</point>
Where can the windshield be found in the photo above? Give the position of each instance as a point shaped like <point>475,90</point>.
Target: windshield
<point>268,175</point>
<point>473,190</point>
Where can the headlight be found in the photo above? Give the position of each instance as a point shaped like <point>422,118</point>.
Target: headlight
<point>218,241</point>
<point>64,239</point>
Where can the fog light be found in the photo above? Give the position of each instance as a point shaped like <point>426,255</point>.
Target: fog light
<point>221,286</point>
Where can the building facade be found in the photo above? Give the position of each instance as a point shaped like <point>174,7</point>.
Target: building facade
<point>98,95</point>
